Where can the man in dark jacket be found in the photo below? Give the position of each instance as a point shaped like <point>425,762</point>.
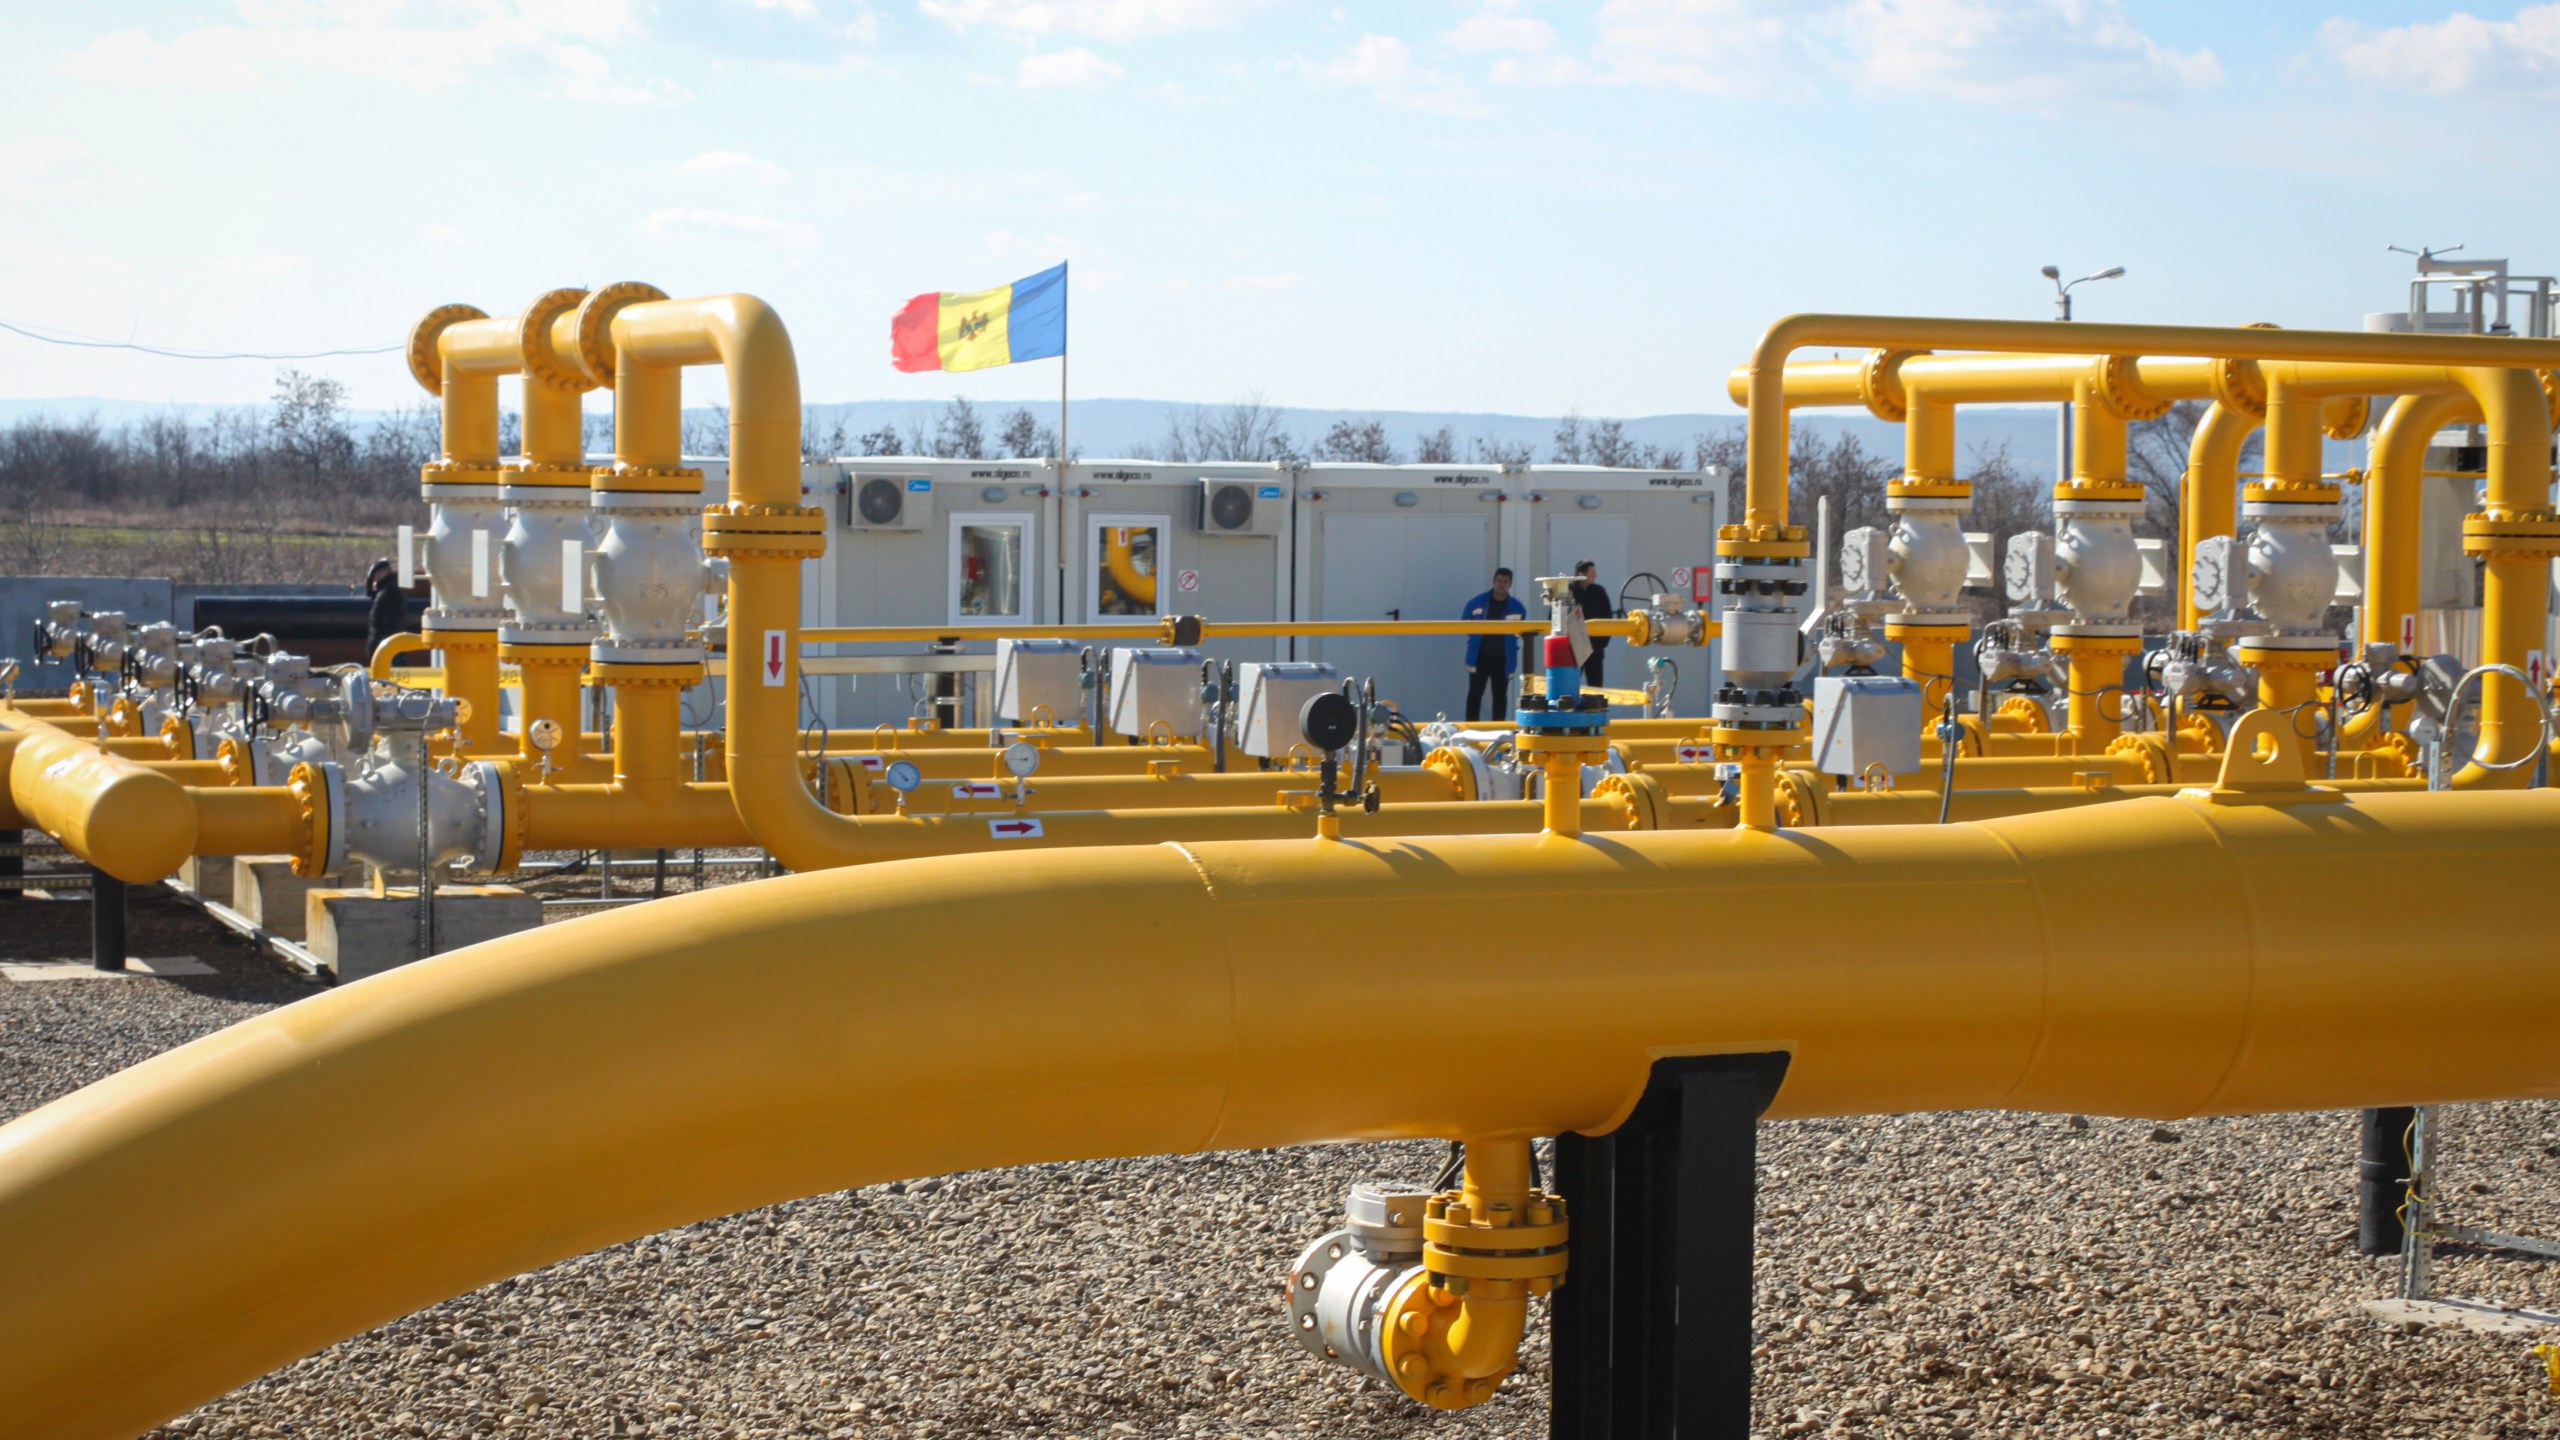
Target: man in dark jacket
<point>1492,658</point>
<point>1596,604</point>
<point>389,614</point>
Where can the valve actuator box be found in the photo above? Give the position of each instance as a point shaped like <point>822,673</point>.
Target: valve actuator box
<point>1862,721</point>
<point>1269,695</point>
<point>1039,677</point>
<point>1155,694</point>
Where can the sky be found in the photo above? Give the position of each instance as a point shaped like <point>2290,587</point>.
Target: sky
<point>1492,205</point>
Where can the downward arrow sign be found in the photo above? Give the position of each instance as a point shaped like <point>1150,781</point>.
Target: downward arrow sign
<point>773,659</point>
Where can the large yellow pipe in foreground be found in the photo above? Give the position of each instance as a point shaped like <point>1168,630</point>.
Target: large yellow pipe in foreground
<point>382,1146</point>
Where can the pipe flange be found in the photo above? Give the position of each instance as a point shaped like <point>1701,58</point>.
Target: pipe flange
<point>595,325</point>
<point>643,481</point>
<point>1880,384</point>
<point>2122,396</point>
<point>179,734</point>
<point>2345,417</point>
<point>1762,542</point>
<point>426,358</point>
<point>2399,747</point>
<point>439,476</point>
<point>239,762</point>
<point>2239,385</point>
<point>1799,800</point>
<point>2528,533</point>
<point>1642,797</point>
<point>1457,765</point>
<point>1458,1243</point>
<point>319,798</point>
<point>2027,711</point>
<point>501,790</point>
<point>786,531</point>
<point>542,364</point>
<point>2150,752</point>
<point>569,482</point>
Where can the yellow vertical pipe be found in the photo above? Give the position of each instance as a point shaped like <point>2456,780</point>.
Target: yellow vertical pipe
<point>2516,533</point>
<point>2208,496</point>
<point>1758,790</point>
<point>470,659</point>
<point>1562,802</point>
<point>647,717</point>
<point>2393,494</point>
<point>551,690</point>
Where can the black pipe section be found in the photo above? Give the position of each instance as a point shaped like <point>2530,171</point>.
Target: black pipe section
<point>1652,1329</point>
<point>106,920</point>
<point>13,866</point>
<point>2382,1178</point>
<point>293,618</point>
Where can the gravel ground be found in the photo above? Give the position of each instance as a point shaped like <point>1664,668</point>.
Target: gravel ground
<point>1938,1275</point>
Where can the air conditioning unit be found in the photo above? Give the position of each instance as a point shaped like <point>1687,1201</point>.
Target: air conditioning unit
<point>1242,507</point>
<point>888,502</point>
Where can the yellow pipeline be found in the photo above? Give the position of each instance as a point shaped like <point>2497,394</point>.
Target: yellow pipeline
<point>125,818</point>
<point>387,654</point>
<point>457,353</point>
<point>1176,789</point>
<point>1164,631</point>
<point>741,1047</point>
<point>652,803</point>
<point>965,762</point>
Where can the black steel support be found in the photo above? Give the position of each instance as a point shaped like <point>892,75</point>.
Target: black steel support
<point>1652,1327</point>
<point>2382,1178</point>
<point>13,866</point>
<point>106,920</point>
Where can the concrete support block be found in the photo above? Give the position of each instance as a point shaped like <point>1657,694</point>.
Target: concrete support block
<point>209,876</point>
<point>264,888</point>
<point>358,933</point>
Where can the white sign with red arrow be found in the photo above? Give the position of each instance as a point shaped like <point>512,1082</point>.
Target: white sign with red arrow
<point>977,790</point>
<point>1015,829</point>
<point>775,661</point>
<point>1694,754</point>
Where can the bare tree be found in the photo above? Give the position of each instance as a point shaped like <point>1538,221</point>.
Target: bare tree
<point>310,428</point>
<point>1025,438</point>
<point>958,434</point>
<point>1502,452</point>
<point>1568,447</point>
<point>1359,442</point>
<point>706,431</point>
<point>1247,429</point>
<point>883,441</point>
<point>1440,447</point>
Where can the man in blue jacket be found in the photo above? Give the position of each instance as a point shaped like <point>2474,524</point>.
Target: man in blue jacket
<point>1492,658</point>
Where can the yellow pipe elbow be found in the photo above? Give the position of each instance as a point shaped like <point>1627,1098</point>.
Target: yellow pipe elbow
<point>387,654</point>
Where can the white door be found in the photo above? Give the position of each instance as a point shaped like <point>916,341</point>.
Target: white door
<point>1410,567</point>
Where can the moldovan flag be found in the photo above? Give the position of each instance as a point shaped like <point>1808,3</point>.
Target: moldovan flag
<point>1026,320</point>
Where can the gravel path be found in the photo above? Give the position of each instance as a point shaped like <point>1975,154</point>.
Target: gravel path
<point>1942,1275</point>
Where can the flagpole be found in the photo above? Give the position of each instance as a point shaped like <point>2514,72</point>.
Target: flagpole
<point>1062,376</point>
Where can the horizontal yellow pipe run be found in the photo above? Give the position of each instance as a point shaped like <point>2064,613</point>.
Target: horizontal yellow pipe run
<point>503,1107</point>
<point>48,708</point>
<point>237,820</point>
<point>617,817</point>
<point>1162,633</point>
<point>978,763</point>
<point>1183,791</point>
<point>125,818</point>
<point>1765,388</point>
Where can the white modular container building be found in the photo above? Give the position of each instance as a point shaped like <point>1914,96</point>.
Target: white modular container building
<point>1416,542</point>
<point>1144,538</point>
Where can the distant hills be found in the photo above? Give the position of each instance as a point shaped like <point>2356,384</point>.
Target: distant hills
<point>1103,428</point>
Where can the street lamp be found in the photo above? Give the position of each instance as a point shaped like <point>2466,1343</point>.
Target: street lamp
<point>2062,312</point>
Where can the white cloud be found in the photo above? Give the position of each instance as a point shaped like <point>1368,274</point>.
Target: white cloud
<point>2036,54</point>
<point>1089,19</point>
<point>2460,53</point>
<point>39,157</point>
<point>2032,54</point>
<point>1075,69</point>
<point>1290,280</point>
<point>420,45</point>
<point>796,9</point>
<point>1495,28</point>
<point>1385,67</point>
<point>1172,94</point>
<point>691,225</point>
<point>732,165</point>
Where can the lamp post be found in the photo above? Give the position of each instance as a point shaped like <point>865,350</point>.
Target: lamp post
<point>2062,312</point>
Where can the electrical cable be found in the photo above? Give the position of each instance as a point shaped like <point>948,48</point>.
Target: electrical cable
<point>86,343</point>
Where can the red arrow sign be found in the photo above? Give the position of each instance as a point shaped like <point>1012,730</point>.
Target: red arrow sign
<point>1015,829</point>
<point>773,659</point>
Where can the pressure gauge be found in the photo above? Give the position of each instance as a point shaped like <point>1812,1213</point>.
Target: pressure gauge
<point>544,734</point>
<point>1021,758</point>
<point>903,776</point>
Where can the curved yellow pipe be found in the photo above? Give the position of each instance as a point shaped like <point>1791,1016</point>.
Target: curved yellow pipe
<point>496,1109</point>
<point>1120,561</point>
<point>387,654</point>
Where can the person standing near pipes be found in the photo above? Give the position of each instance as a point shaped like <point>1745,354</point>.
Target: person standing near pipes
<point>388,613</point>
<point>1594,599</point>
<point>1492,658</point>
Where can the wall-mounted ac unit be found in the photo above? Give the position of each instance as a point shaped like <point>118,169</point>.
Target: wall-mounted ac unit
<point>1242,507</point>
<point>888,502</point>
